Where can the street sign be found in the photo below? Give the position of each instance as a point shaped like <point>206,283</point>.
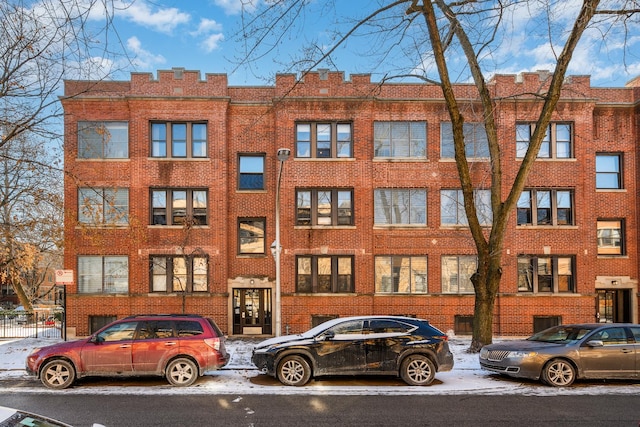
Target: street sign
<point>64,276</point>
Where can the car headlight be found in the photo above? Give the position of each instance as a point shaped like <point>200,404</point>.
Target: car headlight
<point>521,354</point>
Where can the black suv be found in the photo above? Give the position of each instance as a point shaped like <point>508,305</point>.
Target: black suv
<point>179,347</point>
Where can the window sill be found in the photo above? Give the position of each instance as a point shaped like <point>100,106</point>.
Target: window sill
<point>602,256</point>
<point>546,227</point>
<point>251,256</point>
<point>179,159</point>
<point>611,190</point>
<point>115,159</point>
<point>325,294</point>
<point>399,226</point>
<point>324,159</point>
<point>252,191</point>
<point>551,159</point>
<point>324,227</point>
<point>176,227</point>
<point>400,160</point>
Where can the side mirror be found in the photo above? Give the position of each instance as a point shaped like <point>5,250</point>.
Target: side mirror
<point>595,343</point>
<point>328,336</point>
<point>96,339</point>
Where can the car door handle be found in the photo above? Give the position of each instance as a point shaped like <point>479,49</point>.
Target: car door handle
<point>627,350</point>
<point>170,343</point>
<point>125,346</point>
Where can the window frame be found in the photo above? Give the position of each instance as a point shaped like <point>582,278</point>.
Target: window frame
<point>86,272</point>
<point>483,210</point>
<point>314,217</point>
<point>617,174</point>
<point>333,145</point>
<point>169,144</point>
<point>314,286</point>
<point>468,287</point>
<point>602,249</point>
<point>395,145</point>
<point>390,219</point>
<point>84,143</point>
<point>534,268</point>
<point>533,211</point>
<point>251,173</point>
<point>171,211</point>
<point>110,208</point>
<point>472,151</point>
<point>551,141</point>
<point>246,220</point>
<point>395,275</point>
<point>170,275</point>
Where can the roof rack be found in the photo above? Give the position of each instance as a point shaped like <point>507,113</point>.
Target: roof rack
<point>135,316</point>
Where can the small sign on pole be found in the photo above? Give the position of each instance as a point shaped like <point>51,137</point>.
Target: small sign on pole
<point>64,277</point>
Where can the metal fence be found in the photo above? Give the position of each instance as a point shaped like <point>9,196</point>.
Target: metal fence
<point>24,324</point>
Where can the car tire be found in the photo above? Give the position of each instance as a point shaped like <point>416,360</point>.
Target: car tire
<point>294,371</point>
<point>58,374</point>
<point>417,369</point>
<point>181,372</point>
<point>558,373</point>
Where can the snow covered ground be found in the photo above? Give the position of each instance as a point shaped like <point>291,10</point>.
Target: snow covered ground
<point>241,377</point>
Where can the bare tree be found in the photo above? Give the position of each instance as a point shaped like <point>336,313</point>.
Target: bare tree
<point>423,39</point>
<point>42,42</point>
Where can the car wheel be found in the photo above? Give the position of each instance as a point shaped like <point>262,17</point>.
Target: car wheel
<point>294,370</point>
<point>182,372</point>
<point>58,374</point>
<point>417,370</point>
<point>558,373</point>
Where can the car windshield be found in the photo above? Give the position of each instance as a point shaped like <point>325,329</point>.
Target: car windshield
<point>560,334</point>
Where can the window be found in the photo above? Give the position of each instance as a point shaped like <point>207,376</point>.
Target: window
<point>545,207</point>
<point>324,274</point>
<point>611,336</point>
<point>103,275</point>
<point>400,139</point>
<point>251,236</point>
<point>179,273</point>
<point>608,171</point>
<point>401,274</point>
<point>103,206</point>
<point>251,172</point>
<point>475,141</point>
<point>323,140</point>
<point>557,142</point>
<point>103,140</point>
<point>178,206</point>
<point>324,207</point>
<point>452,207</point>
<point>457,272</point>
<point>179,140</point>
<point>545,274</point>
<point>610,237</point>
<point>400,207</point>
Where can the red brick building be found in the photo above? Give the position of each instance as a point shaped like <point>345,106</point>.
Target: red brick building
<point>171,193</point>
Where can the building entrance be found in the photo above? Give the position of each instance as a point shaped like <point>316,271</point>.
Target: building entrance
<point>252,312</point>
<point>614,306</point>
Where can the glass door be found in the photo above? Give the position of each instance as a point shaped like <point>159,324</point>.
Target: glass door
<point>252,311</point>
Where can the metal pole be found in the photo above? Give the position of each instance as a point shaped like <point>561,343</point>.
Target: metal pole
<point>283,154</point>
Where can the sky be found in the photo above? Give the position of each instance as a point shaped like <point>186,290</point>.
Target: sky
<point>240,377</point>
<point>204,35</point>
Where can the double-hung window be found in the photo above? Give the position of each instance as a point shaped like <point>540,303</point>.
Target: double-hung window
<point>545,207</point>
<point>179,273</point>
<point>452,207</point>
<point>103,206</point>
<point>456,273</point>
<point>324,140</point>
<point>179,206</point>
<point>251,172</point>
<point>557,142</point>
<point>324,274</point>
<point>400,274</point>
<point>400,206</point>
<point>178,140</point>
<point>320,206</point>
<point>251,236</point>
<point>103,274</point>
<point>610,234</point>
<point>103,140</point>
<point>400,139</point>
<point>550,274</point>
<point>609,171</point>
<point>476,145</point>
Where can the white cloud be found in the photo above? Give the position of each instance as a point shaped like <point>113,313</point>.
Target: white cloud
<point>163,19</point>
<point>207,26</point>
<point>143,59</point>
<point>234,7</point>
<point>212,42</point>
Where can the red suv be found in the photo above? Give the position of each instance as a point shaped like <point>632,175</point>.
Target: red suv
<point>179,347</point>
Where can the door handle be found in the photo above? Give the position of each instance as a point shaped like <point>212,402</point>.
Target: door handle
<point>170,343</point>
<point>125,346</point>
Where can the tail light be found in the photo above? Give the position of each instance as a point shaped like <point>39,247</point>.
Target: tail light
<point>214,343</point>
<point>442,337</point>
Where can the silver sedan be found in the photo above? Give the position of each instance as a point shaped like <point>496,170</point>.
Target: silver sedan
<point>560,355</point>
